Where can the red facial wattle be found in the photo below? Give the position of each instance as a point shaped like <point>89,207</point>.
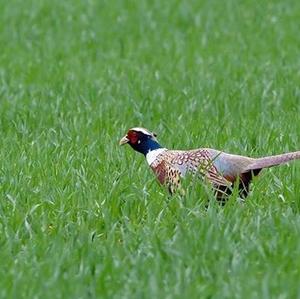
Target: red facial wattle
<point>133,137</point>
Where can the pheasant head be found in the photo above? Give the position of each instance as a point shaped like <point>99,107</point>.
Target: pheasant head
<point>141,140</point>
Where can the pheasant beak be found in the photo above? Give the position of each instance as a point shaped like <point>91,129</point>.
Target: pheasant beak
<point>124,140</point>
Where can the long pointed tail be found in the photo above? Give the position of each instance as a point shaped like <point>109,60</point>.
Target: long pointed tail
<point>273,160</point>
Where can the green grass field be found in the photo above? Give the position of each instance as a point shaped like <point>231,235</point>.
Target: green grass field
<point>81,217</point>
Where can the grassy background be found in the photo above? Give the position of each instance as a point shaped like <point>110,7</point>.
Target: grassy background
<point>81,217</point>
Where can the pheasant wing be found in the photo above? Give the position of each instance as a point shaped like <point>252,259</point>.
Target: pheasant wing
<point>200,162</point>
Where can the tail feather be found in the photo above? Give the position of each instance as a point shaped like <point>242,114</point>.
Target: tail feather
<point>273,160</point>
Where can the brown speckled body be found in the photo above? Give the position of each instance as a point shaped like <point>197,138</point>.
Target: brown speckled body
<point>171,165</point>
<point>222,170</point>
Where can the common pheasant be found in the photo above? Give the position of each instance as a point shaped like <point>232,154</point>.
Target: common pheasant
<point>222,170</point>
